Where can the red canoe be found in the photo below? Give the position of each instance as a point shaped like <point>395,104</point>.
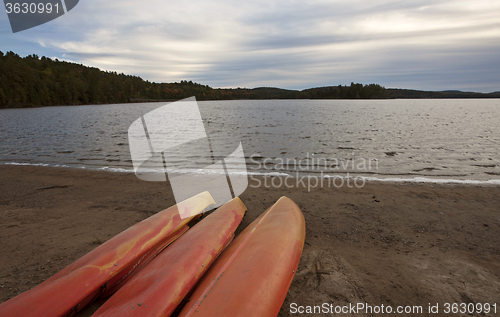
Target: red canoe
<point>159,288</point>
<point>106,268</point>
<point>253,275</point>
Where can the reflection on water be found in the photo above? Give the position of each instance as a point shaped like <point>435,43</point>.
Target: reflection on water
<point>457,139</point>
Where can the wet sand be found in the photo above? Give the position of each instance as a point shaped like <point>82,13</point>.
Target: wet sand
<point>384,243</point>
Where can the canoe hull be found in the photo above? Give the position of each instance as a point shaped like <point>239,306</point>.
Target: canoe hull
<point>159,288</point>
<point>253,275</point>
<point>104,269</point>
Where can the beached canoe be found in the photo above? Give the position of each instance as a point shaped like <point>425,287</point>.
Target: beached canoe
<point>106,268</point>
<point>253,275</point>
<point>159,288</point>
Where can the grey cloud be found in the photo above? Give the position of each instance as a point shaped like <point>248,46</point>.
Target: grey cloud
<point>288,44</point>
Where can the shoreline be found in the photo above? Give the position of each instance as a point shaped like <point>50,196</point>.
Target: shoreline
<point>383,178</point>
<point>480,96</point>
<point>386,243</point>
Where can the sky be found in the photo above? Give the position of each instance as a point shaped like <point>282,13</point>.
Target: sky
<point>414,44</point>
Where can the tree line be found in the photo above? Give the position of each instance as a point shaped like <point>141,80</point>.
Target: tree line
<point>32,81</point>
<point>422,94</point>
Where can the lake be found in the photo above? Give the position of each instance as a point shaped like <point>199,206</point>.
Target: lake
<point>443,140</point>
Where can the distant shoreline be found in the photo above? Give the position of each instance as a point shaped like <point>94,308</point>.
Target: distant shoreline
<point>139,101</point>
<point>44,82</point>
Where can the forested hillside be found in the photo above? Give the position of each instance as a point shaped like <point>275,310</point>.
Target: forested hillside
<point>421,94</point>
<point>33,81</point>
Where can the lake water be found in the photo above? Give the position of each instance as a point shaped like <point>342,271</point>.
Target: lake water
<point>455,140</point>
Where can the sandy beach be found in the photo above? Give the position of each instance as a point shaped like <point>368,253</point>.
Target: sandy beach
<point>383,244</point>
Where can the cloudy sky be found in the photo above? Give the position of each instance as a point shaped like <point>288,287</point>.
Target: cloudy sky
<point>419,44</point>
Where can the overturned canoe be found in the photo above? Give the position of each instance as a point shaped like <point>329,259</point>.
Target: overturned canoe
<point>253,275</point>
<point>159,288</point>
<point>103,270</point>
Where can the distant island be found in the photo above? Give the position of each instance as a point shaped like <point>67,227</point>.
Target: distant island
<point>32,81</point>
